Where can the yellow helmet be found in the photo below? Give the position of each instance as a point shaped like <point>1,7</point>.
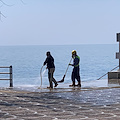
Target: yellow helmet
<point>74,52</point>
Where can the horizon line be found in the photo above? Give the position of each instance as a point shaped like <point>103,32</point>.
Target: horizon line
<point>60,44</point>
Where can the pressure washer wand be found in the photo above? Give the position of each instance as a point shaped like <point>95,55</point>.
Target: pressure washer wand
<point>65,72</point>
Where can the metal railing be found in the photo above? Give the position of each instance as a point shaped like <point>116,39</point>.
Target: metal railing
<point>10,75</point>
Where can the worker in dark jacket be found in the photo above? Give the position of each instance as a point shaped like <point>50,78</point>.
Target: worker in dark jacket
<point>76,69</point>
<point>51,68</point>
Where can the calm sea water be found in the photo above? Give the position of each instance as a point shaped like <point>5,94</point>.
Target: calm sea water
<point>27,61</point>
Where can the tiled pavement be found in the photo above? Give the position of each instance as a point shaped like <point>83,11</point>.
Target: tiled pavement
<point>75,104</point>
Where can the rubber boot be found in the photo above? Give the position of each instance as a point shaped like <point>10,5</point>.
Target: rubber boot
<point>79,84</point>
<point>73,84</point>
<point>56,85</point>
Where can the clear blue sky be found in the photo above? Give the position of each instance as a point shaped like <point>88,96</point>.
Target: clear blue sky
<point>60,22</point>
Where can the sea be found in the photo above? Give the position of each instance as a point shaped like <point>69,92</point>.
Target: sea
<point>27,61</point>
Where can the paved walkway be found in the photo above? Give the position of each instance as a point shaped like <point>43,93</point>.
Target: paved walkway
<point>77,104</point>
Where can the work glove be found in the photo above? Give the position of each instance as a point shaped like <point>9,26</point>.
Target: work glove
<point>70,64</point>
<point>44,64</point>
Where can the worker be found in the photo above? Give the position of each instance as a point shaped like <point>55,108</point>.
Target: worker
<point>76,69</point>
<point>51,68</point>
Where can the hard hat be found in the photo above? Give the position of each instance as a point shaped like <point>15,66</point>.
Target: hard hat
<point>74,52</point>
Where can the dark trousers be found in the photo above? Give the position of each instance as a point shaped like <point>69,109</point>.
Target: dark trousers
<point>76,74</point>
<point>50,77</point>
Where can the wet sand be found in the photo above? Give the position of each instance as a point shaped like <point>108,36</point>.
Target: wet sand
<point>102,103</point>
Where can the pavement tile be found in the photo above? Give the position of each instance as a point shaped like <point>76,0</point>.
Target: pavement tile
<point>93,104</point>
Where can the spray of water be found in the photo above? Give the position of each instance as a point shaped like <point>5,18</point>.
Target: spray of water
<point>43,72</point>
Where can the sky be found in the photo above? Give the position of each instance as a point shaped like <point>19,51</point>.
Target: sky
<point>59,22</point>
